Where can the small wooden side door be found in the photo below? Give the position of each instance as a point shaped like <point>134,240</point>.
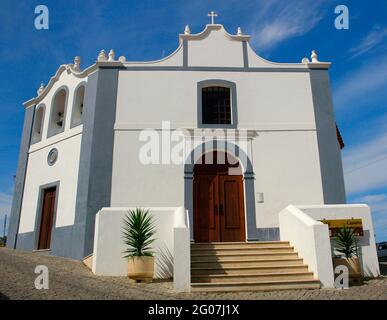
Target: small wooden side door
<point>47,218</point>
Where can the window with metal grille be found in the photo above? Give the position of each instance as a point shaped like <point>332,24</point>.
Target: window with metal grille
<point>216,107</point>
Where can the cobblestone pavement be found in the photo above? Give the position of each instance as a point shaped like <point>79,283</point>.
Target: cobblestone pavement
<point>70,279</point>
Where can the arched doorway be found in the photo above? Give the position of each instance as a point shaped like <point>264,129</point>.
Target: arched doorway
<point>218,199</point>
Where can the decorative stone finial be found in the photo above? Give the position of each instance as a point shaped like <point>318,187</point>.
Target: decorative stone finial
<point>305,60</point>
<point>112,55</point>
<point>41,88</point>
<point>314,56</point>
<point>187,30</point>
<point>77,63</point>
<point>102,56</point>
<point>122,59</point>
<point>239,31</point>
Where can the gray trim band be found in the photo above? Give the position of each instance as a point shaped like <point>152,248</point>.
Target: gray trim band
<point>96,158</point>
<point>185,53</point>
<point>20,178</point>
<point>245,56</point>
<point>332,176</point>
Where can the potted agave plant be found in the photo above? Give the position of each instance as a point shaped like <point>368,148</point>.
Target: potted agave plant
<point>138,232</point>
<point>347,245</point>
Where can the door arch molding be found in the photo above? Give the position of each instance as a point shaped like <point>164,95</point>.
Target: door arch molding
<point>248,179</point>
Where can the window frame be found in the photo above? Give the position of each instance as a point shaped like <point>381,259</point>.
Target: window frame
<point>233,102</point>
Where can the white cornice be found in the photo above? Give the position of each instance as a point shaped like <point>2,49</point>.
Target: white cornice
<point>319,65</point>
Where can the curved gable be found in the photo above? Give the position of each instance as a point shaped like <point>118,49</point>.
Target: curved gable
<point>214,47</point>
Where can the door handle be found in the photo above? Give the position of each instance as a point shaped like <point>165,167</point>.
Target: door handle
<point>220,209</point>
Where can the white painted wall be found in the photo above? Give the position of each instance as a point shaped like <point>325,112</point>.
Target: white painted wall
<point>291,156</point>
<point>171,244</point>
<point>265,100</point>
<point>139,184</point>
<point>277,105</point>
<point>286,166</point>
<point>181,251</point>
<point>218,52</point>
<point>39,173</point>
<point>65,170</point>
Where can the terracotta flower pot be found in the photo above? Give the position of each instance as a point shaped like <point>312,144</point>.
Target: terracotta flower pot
<point>141,268</point>
<point>353,265</point>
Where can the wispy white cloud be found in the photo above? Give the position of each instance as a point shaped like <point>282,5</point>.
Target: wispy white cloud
<point>361,82</point>
<point>365,165</point>
<point>374,39</point>
<point>378,202</point>
<point>378,205</point>
<point>280,20</point>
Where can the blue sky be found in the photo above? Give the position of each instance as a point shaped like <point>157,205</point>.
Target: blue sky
<point>282,31</point>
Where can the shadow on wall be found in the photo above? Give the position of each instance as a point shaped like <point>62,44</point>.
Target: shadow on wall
<point>164,263</point>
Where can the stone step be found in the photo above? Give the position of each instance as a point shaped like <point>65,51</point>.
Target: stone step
<point>241,256</point>
<point>264,249</point>
<point>255,285</point>
<point>248,266</point>
<point>212,278</point>
<point>248,262</point>
<point>238,245</point>
<point>198,271</point>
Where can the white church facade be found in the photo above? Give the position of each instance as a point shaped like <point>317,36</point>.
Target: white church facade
<point>122,134</point>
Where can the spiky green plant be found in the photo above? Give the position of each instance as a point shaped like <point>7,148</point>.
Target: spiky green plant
<point>346,242</point>
<point>138,232</point>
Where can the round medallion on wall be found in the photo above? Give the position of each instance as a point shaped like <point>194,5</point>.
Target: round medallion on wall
<point>52,157</point>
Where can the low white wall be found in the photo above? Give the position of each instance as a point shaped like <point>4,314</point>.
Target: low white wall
<point>301,226</point>
<point>172,243</point>
<point>368,254</point>
<point>182,251</point>
<point>310,239</point>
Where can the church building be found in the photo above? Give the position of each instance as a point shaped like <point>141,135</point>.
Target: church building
<point>213,128</point>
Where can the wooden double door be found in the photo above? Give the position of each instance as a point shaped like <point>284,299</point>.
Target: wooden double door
<point>218,208</point>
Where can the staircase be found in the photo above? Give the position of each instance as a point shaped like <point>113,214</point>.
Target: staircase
<point>248,266</point>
